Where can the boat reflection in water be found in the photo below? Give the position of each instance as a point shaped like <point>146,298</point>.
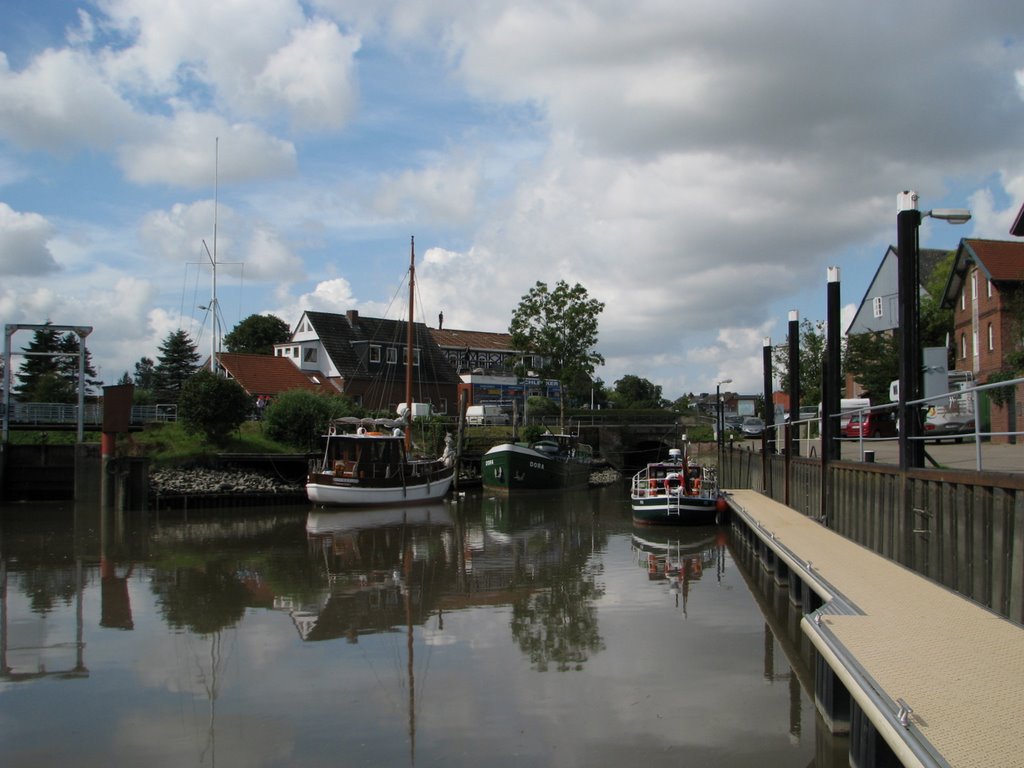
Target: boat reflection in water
<point>374,559</point>
<point>680,555</point>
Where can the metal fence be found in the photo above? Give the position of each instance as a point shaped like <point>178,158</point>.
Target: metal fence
<point>50,414</point>
<point>961,528</point>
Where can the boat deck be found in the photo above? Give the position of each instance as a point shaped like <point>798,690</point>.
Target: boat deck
<point>898,641</point>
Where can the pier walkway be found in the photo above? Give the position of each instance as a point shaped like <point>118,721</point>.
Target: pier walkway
<point>940,678</point>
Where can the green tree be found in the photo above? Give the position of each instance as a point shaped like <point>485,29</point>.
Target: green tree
<point>67,364</point>
<point>812,358</point>
<point>559,329</point>
<point>934,322</point>
<point>298,417</point>
<point>257,335</point>
<point>212,406</point>
<point>39,362</point>
<point>178,360</point>
<point>50,368</point>
<point>635,392</point>
<point>873,360</point>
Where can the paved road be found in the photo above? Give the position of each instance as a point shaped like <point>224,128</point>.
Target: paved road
<point>994,457</point>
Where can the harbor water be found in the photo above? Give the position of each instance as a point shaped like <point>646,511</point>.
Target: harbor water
<point>483,631</point>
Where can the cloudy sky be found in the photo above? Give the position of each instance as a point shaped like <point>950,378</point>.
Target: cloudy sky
<point>695,165</point>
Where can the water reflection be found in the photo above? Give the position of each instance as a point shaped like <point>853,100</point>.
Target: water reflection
<point>680,555</point>
<point>533,630</point>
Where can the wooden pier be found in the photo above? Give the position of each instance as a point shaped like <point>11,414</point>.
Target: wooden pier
<point>918,674</point>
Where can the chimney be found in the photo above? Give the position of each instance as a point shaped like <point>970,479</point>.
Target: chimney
<point>440,320</point>
<point>353,316</point>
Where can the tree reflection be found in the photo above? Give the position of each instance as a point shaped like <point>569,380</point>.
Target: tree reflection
<point>203,600</point>
<point>559,625</point>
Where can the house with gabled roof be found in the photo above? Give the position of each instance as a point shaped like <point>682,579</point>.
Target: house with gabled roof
<point>985,290</point>
<point>365,359</point>
<point>879,309</point>
<point>266,375</point>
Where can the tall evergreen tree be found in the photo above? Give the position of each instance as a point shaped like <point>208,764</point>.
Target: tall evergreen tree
<point>178,359</point>
<point>67,364</point>
<point>145,373</point>
<point>38,365</point>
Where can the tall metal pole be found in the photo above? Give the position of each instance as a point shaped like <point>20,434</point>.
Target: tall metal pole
<point>719,424</point>
<point>833,382</point>
<point>908,221</point>
<point>794,380</point>
<point>768,443</point>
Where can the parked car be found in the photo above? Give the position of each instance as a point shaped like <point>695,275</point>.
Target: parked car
<point>752,426</point>
<point>942,423</point>
<point>732,422</point>
<point>881,424</point>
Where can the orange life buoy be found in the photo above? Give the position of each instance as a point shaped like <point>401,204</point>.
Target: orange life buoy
<point>672,481</point>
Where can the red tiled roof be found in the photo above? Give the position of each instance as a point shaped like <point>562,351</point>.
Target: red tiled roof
<point>267,374</point>
<point>1003,259</point>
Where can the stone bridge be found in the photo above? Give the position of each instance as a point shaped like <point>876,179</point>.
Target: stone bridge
<point>628,447</point>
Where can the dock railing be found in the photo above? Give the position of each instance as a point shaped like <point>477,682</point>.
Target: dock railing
<point>961,527</point>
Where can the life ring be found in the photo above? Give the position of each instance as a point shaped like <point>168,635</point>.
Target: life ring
<point>333,430</point>
<point>672,481</point>
<point>695,484</point>
<point>361,431</point>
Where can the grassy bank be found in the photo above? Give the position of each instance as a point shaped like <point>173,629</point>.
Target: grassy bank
<point>168,444</point>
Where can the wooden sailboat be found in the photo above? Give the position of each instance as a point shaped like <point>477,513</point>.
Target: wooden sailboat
<point>369,462</point>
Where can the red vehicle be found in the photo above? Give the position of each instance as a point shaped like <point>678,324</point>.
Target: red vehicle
<point>880,424</point>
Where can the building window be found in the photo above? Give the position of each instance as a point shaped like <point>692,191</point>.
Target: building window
<point>416,356</point>
<point>988,288</point>
<point>974,286</point>
<point>963,346</point>
<point>309,355</point>
<point>374,353</point>
<point>392,355</point>
<point>991,339</point>
<point>295,352</point>
<point>963,300</point>
<point>876,306</point>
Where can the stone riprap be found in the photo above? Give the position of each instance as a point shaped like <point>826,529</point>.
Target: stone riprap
<point>200,481</point>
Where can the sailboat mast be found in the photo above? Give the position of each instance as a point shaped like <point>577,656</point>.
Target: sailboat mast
<point>214,335</point>
<point>408,345</point>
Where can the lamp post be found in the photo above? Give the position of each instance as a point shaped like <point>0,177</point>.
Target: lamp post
<point>908,221</point>
<point>793,444</point>
<point>720,423</point>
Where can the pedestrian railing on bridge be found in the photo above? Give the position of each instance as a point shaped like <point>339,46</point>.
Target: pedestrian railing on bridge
<point>56,414</point>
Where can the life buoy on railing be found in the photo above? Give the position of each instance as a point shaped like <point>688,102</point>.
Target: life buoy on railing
<point>672,481</point>
<point>333,430</point>
<point>695,484</point>
<point>361,431</point>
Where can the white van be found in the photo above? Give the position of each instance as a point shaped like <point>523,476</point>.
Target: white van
<point>481,415</point>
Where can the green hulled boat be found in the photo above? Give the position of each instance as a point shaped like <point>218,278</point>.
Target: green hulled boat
<point>550,463</point>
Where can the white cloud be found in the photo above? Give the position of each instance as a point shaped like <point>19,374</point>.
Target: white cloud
<point>194,149</point>
<point>267,257</point>
<point>312,77</point>
<point>23,243</point>
<point>59,102</point>
<point>446,193</point>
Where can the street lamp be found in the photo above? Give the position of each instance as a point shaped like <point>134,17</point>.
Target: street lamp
<point>720,422</point>
<point>908,221</point>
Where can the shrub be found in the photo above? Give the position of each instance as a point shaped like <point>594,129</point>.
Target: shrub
<point>212,406</point>
<point>299,417</point>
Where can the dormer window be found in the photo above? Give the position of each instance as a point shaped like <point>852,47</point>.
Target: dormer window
<point>392,355</point>
<point>375,353</point>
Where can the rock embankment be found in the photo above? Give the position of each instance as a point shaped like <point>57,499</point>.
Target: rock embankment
<point>605,477</point>
<point>200,481</point>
